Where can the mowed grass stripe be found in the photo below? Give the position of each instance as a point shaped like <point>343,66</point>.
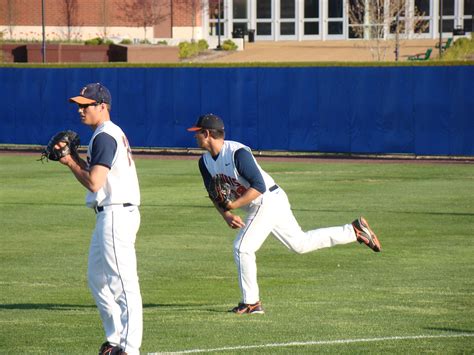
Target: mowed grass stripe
<point>317,342</point>
<point>422,282</point>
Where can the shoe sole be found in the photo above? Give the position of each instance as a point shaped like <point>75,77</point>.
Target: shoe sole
<point>246,311</point>
<point>254,312</point>
<point>377,247</point>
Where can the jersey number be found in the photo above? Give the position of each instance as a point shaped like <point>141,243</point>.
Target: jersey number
<point>129,150</point>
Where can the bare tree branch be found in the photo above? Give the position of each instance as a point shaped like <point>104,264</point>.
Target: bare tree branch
<point>376,20</point>
<point>10,15</point>
<point>70,12</point>
<point>146,12</point>
<point>193,8</point>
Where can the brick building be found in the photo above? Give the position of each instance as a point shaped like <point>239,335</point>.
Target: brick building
<point>274,20</point>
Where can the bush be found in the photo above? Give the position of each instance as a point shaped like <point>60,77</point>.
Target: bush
<point>187,50</point>
<point>229,45</point>
<point>191,49</point>
<point>462,49</point>
<point>162,42</point>
<point>96,41</point>
<point>126,41</point>
<point>202,45</point>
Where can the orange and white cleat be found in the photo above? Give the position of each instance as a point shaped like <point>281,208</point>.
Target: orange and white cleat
<point>365,235</point>
<point>243,308</point>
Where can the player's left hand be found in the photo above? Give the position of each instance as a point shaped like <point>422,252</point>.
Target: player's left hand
<point>60,145</point>
<point>233,221</point>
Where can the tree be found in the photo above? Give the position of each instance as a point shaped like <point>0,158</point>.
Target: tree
<point>70,12</point>
<point>144,12</point>
<point>10,14</point>
<point>376,20</point>
<point>193,8</point>
<point>105,16</point>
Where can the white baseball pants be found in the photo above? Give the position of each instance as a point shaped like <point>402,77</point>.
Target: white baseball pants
<point>113,278</point>
<point>274,216</point>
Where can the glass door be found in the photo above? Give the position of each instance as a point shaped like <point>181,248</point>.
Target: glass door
<point>311,19</point>
<point>217,20</point>
<point>468,14</point>
<point>448,14</point>
<point>423,19</point>
<point>335,24</point>
<point>240,15</point>
<point>287,22</point>
<point>264,20</point>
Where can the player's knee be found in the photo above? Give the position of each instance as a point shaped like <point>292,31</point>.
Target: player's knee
<point>298,249</point>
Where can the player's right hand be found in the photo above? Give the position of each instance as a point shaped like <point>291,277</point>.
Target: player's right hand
<point>233,221</point>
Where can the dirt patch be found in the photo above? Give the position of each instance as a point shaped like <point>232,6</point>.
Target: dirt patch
<point>285,157</point>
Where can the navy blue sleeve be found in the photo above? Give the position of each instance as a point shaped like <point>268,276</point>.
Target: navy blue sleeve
<point>246,166</point>
<point>103,150</point>
<point>206,176</point>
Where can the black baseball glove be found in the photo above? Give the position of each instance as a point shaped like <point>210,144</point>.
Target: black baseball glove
<point>220,192</point>
<point>72,141</point>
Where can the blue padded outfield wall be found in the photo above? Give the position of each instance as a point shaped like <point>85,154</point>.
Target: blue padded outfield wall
<point>422,110</point>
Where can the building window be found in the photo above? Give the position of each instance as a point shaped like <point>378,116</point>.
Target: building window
<point>448,15</point>
<point>398,13</point>
<point>287,9</point>
<point>264,21</point>
<point>422,17</point>
<point>240,14</point>
<point>367,18</point>
<point>264,29</point>
<point>287,28</point>
<point>311,17</point>
<point>239,9</point>
<point>468,13</point>
<point>264,9</point>
<point>335,24</point>
<point>216,17</point>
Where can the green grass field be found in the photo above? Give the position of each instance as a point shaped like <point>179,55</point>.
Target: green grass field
<point>417,296</point>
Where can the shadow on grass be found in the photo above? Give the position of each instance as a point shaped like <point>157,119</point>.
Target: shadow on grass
<point>453,330</point>
<point>187,206</point>
<point>70,307</point>
<point>190,307</point>
<point>45,306</point>
<point>42,204</point>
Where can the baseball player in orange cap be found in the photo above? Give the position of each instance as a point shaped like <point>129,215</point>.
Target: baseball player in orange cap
<point>267,207</point>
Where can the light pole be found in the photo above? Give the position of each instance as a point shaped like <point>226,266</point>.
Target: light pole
<point>440,28</point>
<point>397,34</point>
<point>43,48</point>
<point>219,25</point>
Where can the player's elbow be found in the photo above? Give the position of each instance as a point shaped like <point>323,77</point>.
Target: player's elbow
<point>93,189</point>
<point>94,186</point>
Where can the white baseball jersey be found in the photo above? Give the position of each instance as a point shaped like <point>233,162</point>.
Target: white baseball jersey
<point>269,213</point>
<point>121,185</point>
<point>225,165</point>
<point>112,266</point>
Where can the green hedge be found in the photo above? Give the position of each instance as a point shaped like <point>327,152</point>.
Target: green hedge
<point>461,49</point>
<point>96,41</point>
<point>192,49</point>
<point>238,65</point>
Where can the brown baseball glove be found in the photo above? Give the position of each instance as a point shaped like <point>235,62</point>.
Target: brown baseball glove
<point>220,192</point>
<point>71,140</point>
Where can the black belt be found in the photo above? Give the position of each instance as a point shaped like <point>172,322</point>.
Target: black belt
<point>273,188</point>
<point>101,208</point>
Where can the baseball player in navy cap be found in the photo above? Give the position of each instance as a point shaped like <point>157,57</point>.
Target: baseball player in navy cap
<point>267,207</point>
<point>110,177</point>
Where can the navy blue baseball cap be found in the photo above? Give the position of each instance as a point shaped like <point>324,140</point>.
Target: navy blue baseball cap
<point>208,121</point>
<point>94,93</point>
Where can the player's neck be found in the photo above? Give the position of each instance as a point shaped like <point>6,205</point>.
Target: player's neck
<point>215,146</point>
<point>100,121</point>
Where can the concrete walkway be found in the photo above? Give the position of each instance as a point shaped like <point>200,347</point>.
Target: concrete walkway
<point>320,51</point>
